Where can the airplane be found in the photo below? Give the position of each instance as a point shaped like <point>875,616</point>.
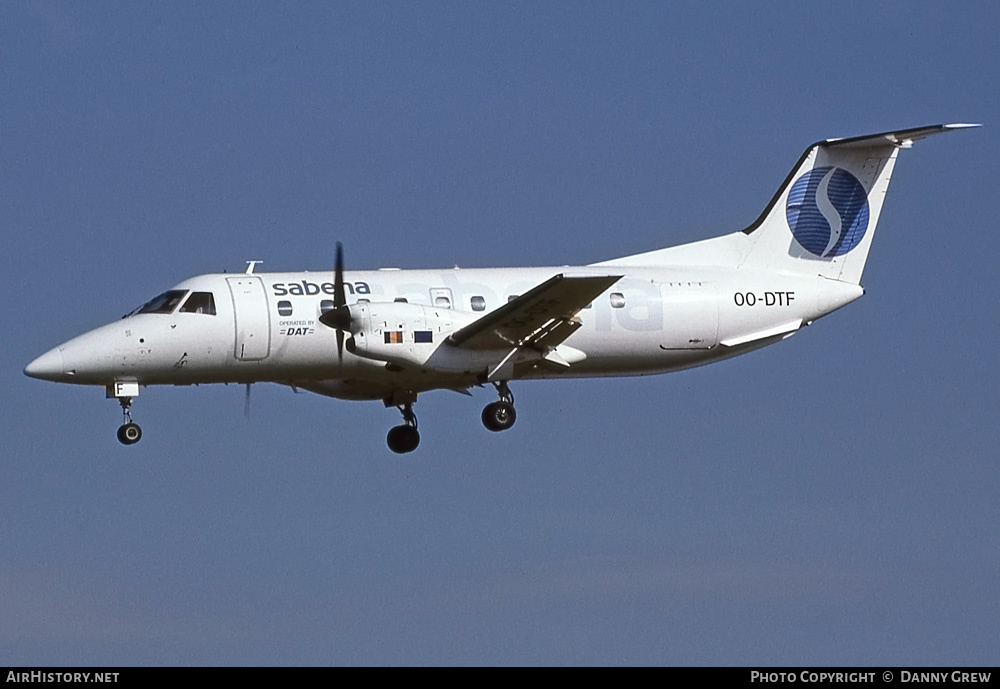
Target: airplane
<point>390,335</point>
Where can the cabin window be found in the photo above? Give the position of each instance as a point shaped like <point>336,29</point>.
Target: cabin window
<point>617,300</point>
<point>284,308</point>
<point>400,300</point>
<point>326,305</point>
<point>442,302</point>
<point>478,304</point>
<point>200,302</point>
<point>164,303</point>
<point>512,297</point>
<point>364,301</point>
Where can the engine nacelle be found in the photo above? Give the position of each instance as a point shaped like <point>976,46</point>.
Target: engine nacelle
<point>415,336</point>
<point>412,335</point>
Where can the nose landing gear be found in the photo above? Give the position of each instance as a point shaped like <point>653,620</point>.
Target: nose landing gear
<point>404,438</point>
<point>500,415</point>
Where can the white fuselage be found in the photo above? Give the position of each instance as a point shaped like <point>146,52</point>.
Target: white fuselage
<point>392,334</point>
<point>265,327</point>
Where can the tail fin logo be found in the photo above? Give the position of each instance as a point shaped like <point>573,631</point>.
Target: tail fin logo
<point>827,211</point>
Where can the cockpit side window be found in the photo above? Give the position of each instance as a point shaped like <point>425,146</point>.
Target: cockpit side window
<point>165,303</point>
<point>200,302</point>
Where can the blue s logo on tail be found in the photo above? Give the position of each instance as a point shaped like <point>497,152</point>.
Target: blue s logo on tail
<point>827,211</point>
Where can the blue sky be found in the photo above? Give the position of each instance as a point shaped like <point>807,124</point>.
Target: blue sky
<point>715,516</point>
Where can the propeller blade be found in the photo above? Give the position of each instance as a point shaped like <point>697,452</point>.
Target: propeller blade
<point>246,403</point>
<point>339,296</point>
<point>339,317</point>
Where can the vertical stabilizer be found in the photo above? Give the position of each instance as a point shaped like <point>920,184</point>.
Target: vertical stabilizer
<point>823,218</point>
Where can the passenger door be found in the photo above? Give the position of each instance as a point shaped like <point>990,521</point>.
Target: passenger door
<point>253,320</point>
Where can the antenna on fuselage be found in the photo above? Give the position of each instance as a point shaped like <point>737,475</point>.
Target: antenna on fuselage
<point>251,265</point>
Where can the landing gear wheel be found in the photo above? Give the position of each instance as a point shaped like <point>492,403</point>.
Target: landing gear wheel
<point>403,439</point>
<point>499,416</point>
<point>129,433</point>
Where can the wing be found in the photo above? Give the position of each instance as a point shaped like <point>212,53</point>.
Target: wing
<point>542,317</point>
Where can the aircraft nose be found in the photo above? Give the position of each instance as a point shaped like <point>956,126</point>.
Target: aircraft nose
<point>48,366</point>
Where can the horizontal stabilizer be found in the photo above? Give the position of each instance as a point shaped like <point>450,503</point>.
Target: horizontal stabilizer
<point>903,138</point>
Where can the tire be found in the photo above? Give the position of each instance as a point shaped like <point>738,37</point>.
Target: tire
<point>499,416</point>
<point>402,439</point>
<point>129,434</point>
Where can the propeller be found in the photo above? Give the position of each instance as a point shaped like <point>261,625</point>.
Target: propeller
<point>339,317</point>
<point>246,403</point>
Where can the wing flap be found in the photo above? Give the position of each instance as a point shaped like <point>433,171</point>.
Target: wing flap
<point>541,317</point>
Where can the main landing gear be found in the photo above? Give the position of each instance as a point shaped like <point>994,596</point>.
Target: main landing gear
<point>404,438</point>
<point>500,415</point>
<point>129,432</point>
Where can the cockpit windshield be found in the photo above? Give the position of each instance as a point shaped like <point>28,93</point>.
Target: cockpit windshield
<point>165,303</point>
